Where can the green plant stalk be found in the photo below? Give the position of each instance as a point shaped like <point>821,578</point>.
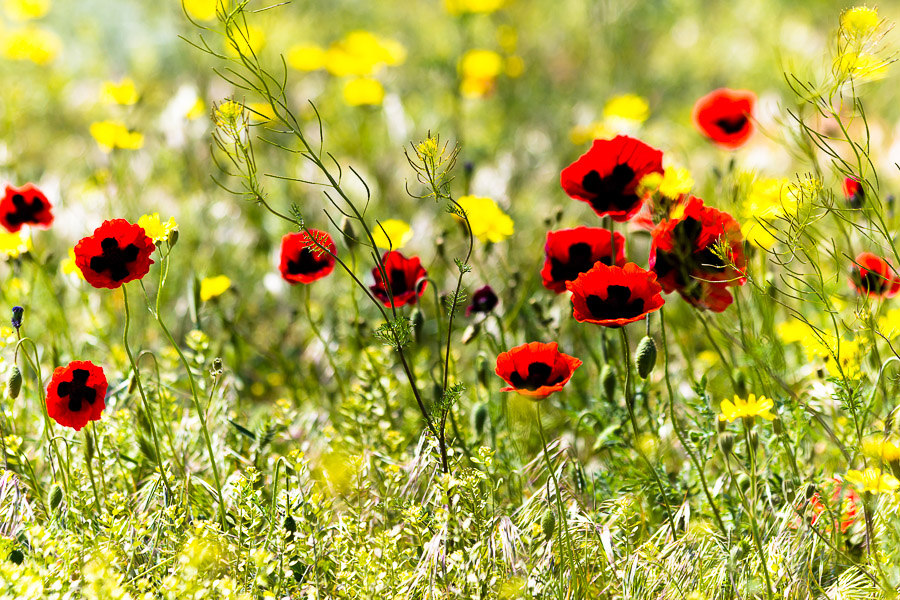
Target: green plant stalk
<point>752,509</point>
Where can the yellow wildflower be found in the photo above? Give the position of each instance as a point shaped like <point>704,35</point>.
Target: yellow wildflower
<point>399,232</point>
<point>488,222</point>
<point>196,110</point>
<point>249,40</point>
<point>124,92</point>
<point>155,229</point>
<point>458,7</point>
<point>767,200</point>
<point>202,10</point>
<point>363,91</point>
<point>793,331</point>
<point>873,480</point>
<point>261,112</point>
<point>749,408</point>
<point>114,134</point>
<point>882,448</point>
<point>889,323</point>
<point>628,107</point>
<point>582,134</point>
<point>212,287</point>
<point>36,44</point>
<point>68,265</point>
<point>306,57</point>
<point>362,53</point>
<point>23,10</point>
<point>13,245</point>
<point>859,21</point>
<point>861,66</point>
<point>481,64</point>
<point>673,183</point>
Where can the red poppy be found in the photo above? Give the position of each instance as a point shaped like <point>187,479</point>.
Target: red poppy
<point>607,176</point>
<point>723,116</point>
<point>406,279</point>
<point>535,369</point>
<point>484,300</point>
<point>26,205</point>
<point>75,394</point>
<point>116,253</point>
<point>874,276</point>
<point>614,296</point>
<point>848,510</point>
<point>570,252</point>
<point>854,192</point>
<point>681,254</point>
<point>302,260</point>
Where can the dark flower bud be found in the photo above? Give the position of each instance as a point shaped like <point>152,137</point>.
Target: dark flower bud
<point>740,383</point>
<point>726,443</point>
<point>349,234</point>
<point>17,313</point>
<point>217,367</point>
<point>777,426</point>
<point>645,356</point>
<point>14,383</point>
<point>418,324</point>
<point>173,238</point>
<point>484,300</point>
<point>479,417</point>
<point>484,370</point>
<point>548,523</point>
<point>810,491</point>
<point>608,380</point>
<point>55,497</point>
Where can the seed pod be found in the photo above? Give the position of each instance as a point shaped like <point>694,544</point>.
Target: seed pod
<point>777,426</point>
<point>548,523</point>
<point>726,442</point>
<point>14,383</point>
<point>349,234</point>
<point>479,417</point>
<point>608,380</point>
<point>645,357</point>
<point>55,497</point>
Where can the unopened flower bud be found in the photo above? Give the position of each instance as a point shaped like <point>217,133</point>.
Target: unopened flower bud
<point>349,234</point>
<point>479,417</point>
<point>740,383</point>
<point>810,491</point>
<point>418,324</point>
<point>726,442</point>
<point>754,440</point>
<point>777,426</point>
<point>608,380</point>
<point>173,238</point>
<point>645,356</point>
<point>484,370</point>
<point>721,425</point>
<point>17,313</point>
<point>548,523</point>
<point>14,383</point>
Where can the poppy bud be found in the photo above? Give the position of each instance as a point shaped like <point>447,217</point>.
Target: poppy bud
<point>479,417</point>
<point>471,332</point>
<point>777,426</point>
<point>754,440</point>
<point>810,491</point>
<point>418,324</point>
<point>484,370</point>
<point>349,234</point>
<point>740,383</point>
<point>608,380</point>
<point>726,443</point>
<point>548,524</point>
<point>14,383</point>
<point>55,497</point>
<point>17,313</point>
<point>290,525</point>
<point>645,357</point>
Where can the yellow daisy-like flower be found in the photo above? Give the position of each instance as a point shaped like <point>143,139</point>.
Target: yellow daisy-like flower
<point>628,107</point>
<point>882,448</point>
<point>749,408</point>
<point>399,232</point>
<point>155,229</point>
<point>124,92</point>
<point>859,21</point>
<point>363,91</point>
<point>488,222</point>
<point>306,57</point>
<point>847,363</point>
<point>24,10</point>
<point>13,245</point>
<point>36,44</point>
<point>481,64</point>
<point>889,323</point>
<point>673,183</point>
<point>68,265</point>
<point>212,287</point>
<point>873,480</point>
<point>361,53</point>
<point>202,10</point>
<point>768,200</point>
<point>792,331</point>
<point>458,7</point>
<point>114,134</point>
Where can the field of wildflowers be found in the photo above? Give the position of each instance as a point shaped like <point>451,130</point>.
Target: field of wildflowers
<point>449,299</point>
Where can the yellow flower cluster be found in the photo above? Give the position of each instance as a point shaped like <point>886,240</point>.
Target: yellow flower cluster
<point>873,480</point>
<point>13,245</point>
<point>155,229</point>
<point>122,92</point>
<point>673,183</point>
<point>459,7</point>
<point>746,409</point>
<point>24,10</point>
<point>882,448</point>
<point>393,234</point>
<point>768,200</point>
<point>488,222</point>
<point>114,134</point>
<point>30,43</point>
<point>621,114</point>
<point>213,287</point>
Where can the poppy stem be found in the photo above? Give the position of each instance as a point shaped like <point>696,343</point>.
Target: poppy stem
<point>145,403</point>
<point>89,461</point>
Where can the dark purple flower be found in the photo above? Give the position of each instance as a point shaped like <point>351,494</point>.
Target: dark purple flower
<point>17,313</point>
<point>484,300</point>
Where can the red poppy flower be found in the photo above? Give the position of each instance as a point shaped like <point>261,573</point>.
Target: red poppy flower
<point>570,252</point>
<point>681,254</point>
<point>75,394</point>
<point>607,176</point>
<point>406,279</point>
<point>614,296</point>
<point>874,277</point>
<point>26,205</point>
<point>854,192</point>
<point>302,261</point>
<point>535,369</point>
<point>116,253</point>
<point>484,300</point>
<point>849,508</point>
<point>723,116</point>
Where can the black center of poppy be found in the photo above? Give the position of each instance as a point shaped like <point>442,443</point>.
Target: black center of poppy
<point>25,211</point>
<point>398,282</point>
<point>871,282</point>
<point>538,376</point>
<point>732,125</point>
<point>618,304</point>
<point>580,261</point>
<point>306,263</point>
<point>114,259</point>
<point>609,192</point>
<point>77,390</point>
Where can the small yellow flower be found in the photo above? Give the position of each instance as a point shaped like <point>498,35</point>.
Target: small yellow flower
<point>363,91</point>
<point>13,245</point>
<point>458,7</point>
<point>124,92</point>
<point>306,57</point>
<point>792,331</point>
<point>488,222</point>
<point>628,107</point>
<point>751,407</point>
<point>862,66</point>
<point>24,10</point>
<point>249,40</point>
<point>889,323</point>
<point>202,10</point>
<point>873,480</point>
<point>261,112</point>
<point>68,265</point>
<point>362,53</point>
<point>481,64</point>
<point>36,44</point>
<point>767,200</point>
<point>399,232</point>
<point>673,183</point>
<point>882,448</point>
<point>212,287</point>
<point>155,229</point>
<point>859,21</point>
<point>114,134</point>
